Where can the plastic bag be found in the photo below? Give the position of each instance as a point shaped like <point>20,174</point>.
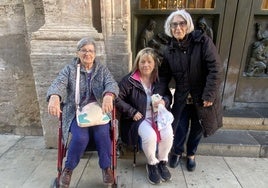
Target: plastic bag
<point>164,117</point>
<point>155,98</point>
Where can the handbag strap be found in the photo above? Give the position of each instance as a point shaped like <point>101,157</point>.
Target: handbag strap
<point>154,125</point>
<point>77,93</point>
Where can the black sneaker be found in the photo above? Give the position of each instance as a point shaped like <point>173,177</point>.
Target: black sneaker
<point>163,170</point>
<point>153,174</point>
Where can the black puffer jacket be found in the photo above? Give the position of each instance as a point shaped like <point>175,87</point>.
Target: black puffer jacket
<point>132,99</point>
<point>196,68</point>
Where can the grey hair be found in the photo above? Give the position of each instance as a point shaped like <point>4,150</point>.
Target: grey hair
<point>185,15</point>
<point>85,41</point>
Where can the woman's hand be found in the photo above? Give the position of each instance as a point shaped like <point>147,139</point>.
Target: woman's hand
<point>54,106</point>
<point>207,103</point>
<point>137,116</point>
<point>107,104</point>
<point>156,103</point>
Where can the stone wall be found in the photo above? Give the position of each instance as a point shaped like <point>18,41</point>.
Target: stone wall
<point>19,109</point>
<point>37,38</point>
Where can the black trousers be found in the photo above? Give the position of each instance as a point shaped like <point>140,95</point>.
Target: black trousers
<point>189,132</point>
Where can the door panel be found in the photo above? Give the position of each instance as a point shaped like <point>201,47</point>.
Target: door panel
<point>244,87</point>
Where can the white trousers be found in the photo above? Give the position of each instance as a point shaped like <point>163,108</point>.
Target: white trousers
<point>149,142</point>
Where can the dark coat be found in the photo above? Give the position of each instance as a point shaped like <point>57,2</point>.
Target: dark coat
<point>132,99</point>
<point>196,68</point>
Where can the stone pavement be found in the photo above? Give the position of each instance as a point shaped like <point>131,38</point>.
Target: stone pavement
<point>26,163</point>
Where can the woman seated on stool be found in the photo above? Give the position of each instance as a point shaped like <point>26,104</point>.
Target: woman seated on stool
<point>135,105</point>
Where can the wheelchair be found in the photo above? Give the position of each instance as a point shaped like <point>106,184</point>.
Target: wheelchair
<point>62,149</point>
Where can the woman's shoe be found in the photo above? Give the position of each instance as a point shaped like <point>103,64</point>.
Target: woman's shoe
<point>174,160</point>
<point>65,178</point>
<point>107,176</point>
<point>191,164</point>
<point>153,174</point>
<point>163,171</point>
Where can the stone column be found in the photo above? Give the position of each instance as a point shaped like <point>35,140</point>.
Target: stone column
<point>54,45</point>
<point>116,16</point>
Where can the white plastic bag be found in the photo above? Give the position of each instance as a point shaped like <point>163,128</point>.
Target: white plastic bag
<point>155,98</point>
<point>164,117</point>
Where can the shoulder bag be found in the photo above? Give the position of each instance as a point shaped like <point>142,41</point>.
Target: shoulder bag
<point>91,114</point>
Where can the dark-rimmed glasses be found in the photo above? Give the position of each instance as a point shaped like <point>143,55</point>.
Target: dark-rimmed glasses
<point>174,25</point>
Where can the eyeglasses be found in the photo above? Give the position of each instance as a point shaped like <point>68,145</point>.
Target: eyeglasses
<point>84,52</point>
<point>174,25</point>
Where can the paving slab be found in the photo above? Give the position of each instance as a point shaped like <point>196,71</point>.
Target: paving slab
<point>18,164</point>
<point>211,171</point>
<point>7,141</point>
<point>92,174</point>
<point>139,177</point>
<point>124,172</point>
<point>31,142</point>
<point>250,172</point>
<point>44,173</point>
<point>178,178</point>
<point>27,163</point>
<point>24,165</point>
<point>136,176</point>
<point>78,172</point>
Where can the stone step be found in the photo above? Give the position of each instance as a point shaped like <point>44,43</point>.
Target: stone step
<point>235,143</point>
<point>228,143</point>
<point>246,119</point>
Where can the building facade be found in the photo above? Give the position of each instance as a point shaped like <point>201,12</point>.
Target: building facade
<point>38,37</point>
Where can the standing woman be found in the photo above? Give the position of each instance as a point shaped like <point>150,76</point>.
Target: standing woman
<point>192,60</point>
<point>135,104</point>
<point>96,84</point>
